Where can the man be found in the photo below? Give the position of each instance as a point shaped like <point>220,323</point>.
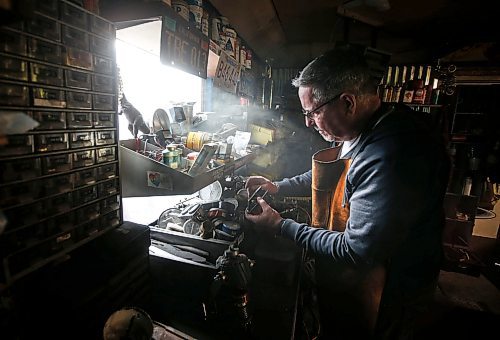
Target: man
<point>377,202</point>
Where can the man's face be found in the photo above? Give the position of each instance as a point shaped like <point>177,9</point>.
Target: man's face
<point>330,120</point>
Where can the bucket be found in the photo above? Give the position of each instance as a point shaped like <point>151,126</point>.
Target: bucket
<point>182,8</point>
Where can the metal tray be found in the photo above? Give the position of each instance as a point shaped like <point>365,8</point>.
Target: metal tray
<point>142,176</point>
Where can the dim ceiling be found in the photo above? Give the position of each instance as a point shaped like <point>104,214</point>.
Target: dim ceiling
<point>288,33</point>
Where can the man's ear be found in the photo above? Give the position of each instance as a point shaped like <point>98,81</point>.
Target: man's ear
<point>349,100</point>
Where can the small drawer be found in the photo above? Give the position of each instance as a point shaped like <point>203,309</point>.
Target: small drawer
<point>79,100</point>
<point>103,65</point>
<point>104,120</point>
<point>24,259</point>
<point>85,177</point>
<point>51,142</point>
<point>12,42</point>
<point>104,102</point>
<point>56,164</point>
<point>85,195</point>
<point>88,229</point>
<point>78,58</point>
<point>104,137</point>
<point>81,139</point>
<point>111,219</point>
<point>60,224</point>
<point>48,97</point>
<point>102,46</point>
<point>60,242</point>
<point>88,213</point>
<point>75,38</point>
<point>101,27</point>
<point>110,204</point>
<point>50,120</point>
<point>24,215</point>
<point>45,51</point>
<point>49,7</point>
<point>106,155</point>
<point>21,169</point>
<point>78,120</point>
<point>83,158</point>
<point>58,204</point>
<point>103,84</point>
<point>108,188</point>
<point>44,74</point>
<point>106,171</point>
<point>58,185</point>
<point>22,193</point>
<point>11,68</point>
<point>17,145</point>
<point>44,27</point>
<point>78,80</point>
<point>73,15</point>
<point>14,95</point>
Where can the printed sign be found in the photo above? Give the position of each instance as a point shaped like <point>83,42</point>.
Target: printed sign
<point>159,180</point>
<point>228,73</point>
<point>183,47</point>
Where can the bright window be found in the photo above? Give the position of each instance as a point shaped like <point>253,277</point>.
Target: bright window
<point>150,85</point>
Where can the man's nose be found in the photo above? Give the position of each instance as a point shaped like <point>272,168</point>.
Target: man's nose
<point>309,121</point>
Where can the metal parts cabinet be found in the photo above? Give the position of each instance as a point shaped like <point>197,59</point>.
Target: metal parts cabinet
<point>59,183</point>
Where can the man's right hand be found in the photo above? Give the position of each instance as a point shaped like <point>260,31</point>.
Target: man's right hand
<point>253,182</point>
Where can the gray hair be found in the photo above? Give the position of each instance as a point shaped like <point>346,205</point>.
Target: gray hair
<point>341,69</point>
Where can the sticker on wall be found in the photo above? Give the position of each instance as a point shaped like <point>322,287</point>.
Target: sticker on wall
<point>159,180</point>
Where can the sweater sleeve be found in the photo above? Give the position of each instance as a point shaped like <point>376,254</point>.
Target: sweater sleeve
<point>386,197</point>
<point>299,185</point>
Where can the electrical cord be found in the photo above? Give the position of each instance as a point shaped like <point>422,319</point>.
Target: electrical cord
<point>489,214</point>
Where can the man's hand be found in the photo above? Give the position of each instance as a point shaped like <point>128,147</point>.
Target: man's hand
<point>269,221</point>
<point>253,182</point>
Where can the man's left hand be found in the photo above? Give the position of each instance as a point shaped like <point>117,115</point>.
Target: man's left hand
<point>269,221</point>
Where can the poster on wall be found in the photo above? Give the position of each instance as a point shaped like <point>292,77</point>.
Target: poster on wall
<point>183,47</point>
<point>227,74</point>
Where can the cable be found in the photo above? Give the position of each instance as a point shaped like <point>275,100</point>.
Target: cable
<point>490,214</point>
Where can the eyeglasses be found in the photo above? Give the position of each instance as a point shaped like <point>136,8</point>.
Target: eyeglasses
<point>310,114</point>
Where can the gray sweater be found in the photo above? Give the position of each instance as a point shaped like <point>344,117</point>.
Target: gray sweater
<point>395,187</point>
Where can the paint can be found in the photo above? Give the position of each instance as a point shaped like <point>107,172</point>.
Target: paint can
<point>182,8</point>
<point>204,22</point>
<point>195,15</point>
<point>230,41</point>
<point>195,140</point>
<point>216,29</point>
<point>243,55</point>
<point>248,62</point>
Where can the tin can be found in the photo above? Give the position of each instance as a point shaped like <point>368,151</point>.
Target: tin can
<point>248,62</point>
<point>204,22</point>
<point>243,55</point>
<point>181,7</point>
<point>467,186</point>
<point>195,15</point>
<point>229,41</point>
<point>216,28</point>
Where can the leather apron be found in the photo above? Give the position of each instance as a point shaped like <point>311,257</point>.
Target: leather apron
<point>348,296</point>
